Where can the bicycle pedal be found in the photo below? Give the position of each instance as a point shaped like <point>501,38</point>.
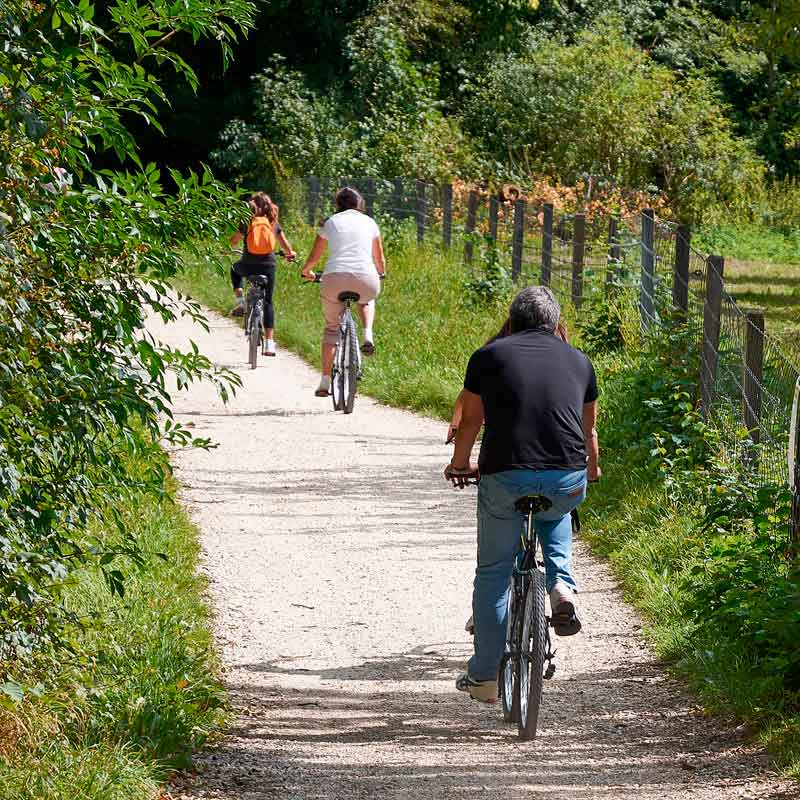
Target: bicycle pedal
<point>550,671</point>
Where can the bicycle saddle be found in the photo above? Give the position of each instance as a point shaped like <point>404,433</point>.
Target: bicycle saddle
<point>533,503</point>
<point>257,280</point>
<point>345,296</point>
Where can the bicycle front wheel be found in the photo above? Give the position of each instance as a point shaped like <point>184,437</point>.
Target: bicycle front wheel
<point>530,664</point>
<point>350,364</point>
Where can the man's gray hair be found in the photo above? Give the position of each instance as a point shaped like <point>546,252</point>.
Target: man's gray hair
<point>534,308</point>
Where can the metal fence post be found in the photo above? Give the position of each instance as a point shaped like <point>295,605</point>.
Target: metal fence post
<point>422,211</point>
<point>494,210</point>
<point>519,239</point>
<point>447,214</point>
<point>680,275</point>
<point>752,378</point>
<point>578,251</point>
<point>369,199</point>
<point>472,217</point>
<point>547,243</point>
<point>711,325</point>
<point>646,300</point>
<point>397,198</point>
<point>614,252</point>
<point>313,198</point>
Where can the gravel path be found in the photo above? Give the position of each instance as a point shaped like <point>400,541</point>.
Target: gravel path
<point>340,565</point>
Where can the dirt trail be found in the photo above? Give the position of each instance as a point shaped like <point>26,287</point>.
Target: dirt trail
<point>340,566</point>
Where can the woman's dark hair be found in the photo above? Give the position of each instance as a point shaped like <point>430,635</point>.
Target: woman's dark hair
<point>262,206</point>
<point>349,198</point>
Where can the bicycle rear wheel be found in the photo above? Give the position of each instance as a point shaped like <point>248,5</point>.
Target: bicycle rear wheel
<point>506,675</point>
<point>350,363</point>
<point>254,336</point>
<point>530,664</point>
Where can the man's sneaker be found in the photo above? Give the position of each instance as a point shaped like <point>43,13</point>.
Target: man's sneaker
<point>368,348</point>
<point>563,613</point>
<point>484,691</point>
<point>324,388</point>
<point>269,348</point>
<point>470,626</point>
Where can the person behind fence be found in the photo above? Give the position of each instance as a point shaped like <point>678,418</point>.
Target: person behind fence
<point>537,398</point>
<point>259,239</point>
<point>355,264</point>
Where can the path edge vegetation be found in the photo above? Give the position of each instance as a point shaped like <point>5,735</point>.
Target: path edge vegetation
<point>700,552</point>
<point>108,679</point>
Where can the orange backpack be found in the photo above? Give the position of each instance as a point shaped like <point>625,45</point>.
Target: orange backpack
<point>260,237</point>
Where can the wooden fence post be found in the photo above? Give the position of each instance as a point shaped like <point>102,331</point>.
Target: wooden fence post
<point>472,217</point>
<point>795,478</point>
<point>422,211</point>
<point>752,378</point>
<point>313,198</point>
<point>369,199</point>
<point>494,210</point>
<point>614,252</point>
<point>519,239</point>
<point>712,310</point>
<point>547,243</point>
<point>680,275</point>
<point>447,214</point>
<point>397,199</point>
<point>646,299</point>
<point>578,251</point>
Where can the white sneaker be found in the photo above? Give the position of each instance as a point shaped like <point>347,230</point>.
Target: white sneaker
<point>563,610</point>
<point>269,347</point>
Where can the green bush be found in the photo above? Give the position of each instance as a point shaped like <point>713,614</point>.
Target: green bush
<point>85,256</point>
<point>632,122</point>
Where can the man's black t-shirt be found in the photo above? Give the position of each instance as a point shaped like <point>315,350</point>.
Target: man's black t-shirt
<point>533,387</point>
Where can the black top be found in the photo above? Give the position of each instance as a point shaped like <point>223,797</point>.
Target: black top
<point>248,261</point>
<point>533,387</point>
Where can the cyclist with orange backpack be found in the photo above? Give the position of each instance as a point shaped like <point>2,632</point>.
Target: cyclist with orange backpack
<point>260,238</point>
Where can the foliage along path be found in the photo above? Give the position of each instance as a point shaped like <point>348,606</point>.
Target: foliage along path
<point>340,565</point>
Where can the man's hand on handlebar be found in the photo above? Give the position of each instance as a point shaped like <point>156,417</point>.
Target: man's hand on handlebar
<point>461,477</point>
<point>310,276</point>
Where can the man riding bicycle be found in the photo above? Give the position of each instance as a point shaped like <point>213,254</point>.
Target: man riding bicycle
<point>537,397</point>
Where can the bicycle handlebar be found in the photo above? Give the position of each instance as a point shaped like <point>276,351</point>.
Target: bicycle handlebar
<point>318,278</point>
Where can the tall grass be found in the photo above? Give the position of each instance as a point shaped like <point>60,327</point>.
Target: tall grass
<point>131,691</point>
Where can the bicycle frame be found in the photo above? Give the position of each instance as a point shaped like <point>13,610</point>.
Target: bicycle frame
<point>347,310</point>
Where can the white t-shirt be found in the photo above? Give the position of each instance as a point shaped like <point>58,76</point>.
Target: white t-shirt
<point>350,235</point>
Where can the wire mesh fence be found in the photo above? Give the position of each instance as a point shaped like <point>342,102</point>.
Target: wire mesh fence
<point>746,382</point>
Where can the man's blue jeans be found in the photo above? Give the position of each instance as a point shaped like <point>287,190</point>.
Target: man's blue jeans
<point>499,530</point>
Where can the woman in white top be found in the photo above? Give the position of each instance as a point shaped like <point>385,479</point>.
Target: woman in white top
<point>355,264</point>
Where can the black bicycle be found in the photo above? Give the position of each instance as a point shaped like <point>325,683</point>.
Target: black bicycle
<point>346,368</point>
<point>528,658</point>
<point>254,313</point>
<point>254,316</point>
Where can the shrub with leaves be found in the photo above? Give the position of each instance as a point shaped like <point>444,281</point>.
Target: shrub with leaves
<point>84,258</point>
<point>491,282</point>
